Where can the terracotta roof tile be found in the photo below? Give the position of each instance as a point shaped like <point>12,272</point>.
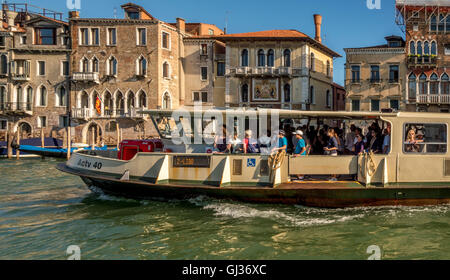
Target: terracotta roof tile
<point>268,33</point>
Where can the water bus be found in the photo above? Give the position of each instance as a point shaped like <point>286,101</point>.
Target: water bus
<point>410,174</point>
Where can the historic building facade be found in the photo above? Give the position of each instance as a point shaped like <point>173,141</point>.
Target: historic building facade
<point>34,72</point>
<point>278,69</point>
<point>427,28</point>
<point>375,77</point>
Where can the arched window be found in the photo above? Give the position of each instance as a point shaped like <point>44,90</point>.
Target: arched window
<point>3,65</point>
<point>423,84</point>
<point>62,97</point>
<point>445,84</point>
<point>412,86</point>
<point>311,95</point>
<point>43,96</point>
<point>29,98</point>
<point>419,48</point>
<point>108,106</point>
<point>94,100</point>
<point>244,58</point>
<point>19,98</point>
<point>434,84</point>
<point>244,93</point>
<point>111,126</point>
<point>287,93</point>
<point>433,48</point>
<point>142,99</point>
<point>270,58</point>
<point>112,66</point>
<point>433,23</point>
<point>328,99</point>
<point>95,67</point>
<point>120,103</point>
<point>142,66</point>
<point>2,97</point>
<point>85,65</point>
<point>261,58</point>
<point>166,70</point>
<point>441,25</point>
<point>167,102</point>
<point>412,47</point>
<point>426,48</point>
<point>287,58</point>
<point>130,101</point>
<point>84,102</point>
<point>313,62</point>
<point>328,68</point>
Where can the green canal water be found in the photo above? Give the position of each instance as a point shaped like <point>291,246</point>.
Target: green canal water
<point>43,212</point>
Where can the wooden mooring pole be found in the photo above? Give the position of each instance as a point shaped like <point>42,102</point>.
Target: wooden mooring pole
<point>69,142</point>
<point>9,143</point>
<point>118,135</point>
<point>18,142</point>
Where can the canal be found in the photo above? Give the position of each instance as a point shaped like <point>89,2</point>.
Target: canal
<point>43,212</point>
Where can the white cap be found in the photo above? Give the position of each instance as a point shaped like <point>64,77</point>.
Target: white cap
<point>298,132</point>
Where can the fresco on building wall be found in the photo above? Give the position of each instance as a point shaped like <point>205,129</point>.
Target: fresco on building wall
<point>265,90</point>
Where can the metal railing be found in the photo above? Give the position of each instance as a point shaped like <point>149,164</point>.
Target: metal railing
<point>86,77</point>
<point>433,99</point>
<point>422,60</point>
<point>20,77</point>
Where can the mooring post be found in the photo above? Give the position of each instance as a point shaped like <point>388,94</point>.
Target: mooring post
<point>9,143</point>
<point>118,135</point>
<point>18,143</point>
<point>69,142</point>
<point>42,138</point>
<point>92,138</point>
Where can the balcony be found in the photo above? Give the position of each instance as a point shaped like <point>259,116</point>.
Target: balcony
<point>264,71</point>
<point>20,77</point>
<point>433,99</point>
<point>88,113</point>
<point>422,61</point>
<point>86,77</point>
<point>17,108</point>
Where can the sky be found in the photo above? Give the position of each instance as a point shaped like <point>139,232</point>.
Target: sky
<point>346,23</point>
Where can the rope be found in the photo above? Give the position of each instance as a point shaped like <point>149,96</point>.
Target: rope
<point>276,160</point>
<point>371,168</point>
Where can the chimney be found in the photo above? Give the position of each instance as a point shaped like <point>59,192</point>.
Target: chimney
<point>318,23</point>
<point>181,24</point>
<point>74,14</point>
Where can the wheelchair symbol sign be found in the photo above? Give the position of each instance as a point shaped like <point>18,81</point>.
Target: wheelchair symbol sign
<point>251,162</point>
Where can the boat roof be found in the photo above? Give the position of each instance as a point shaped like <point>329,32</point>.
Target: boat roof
<point>297,113</point>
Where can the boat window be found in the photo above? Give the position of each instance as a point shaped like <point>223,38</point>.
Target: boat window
<point>425,138</point>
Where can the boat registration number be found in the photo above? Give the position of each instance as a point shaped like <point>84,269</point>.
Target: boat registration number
<point>191,162</point>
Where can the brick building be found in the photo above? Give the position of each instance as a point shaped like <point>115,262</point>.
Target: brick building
<point>426,24</point>
<point>34,70</point>
<point>278,69</point>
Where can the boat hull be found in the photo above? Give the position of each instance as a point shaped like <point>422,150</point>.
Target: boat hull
<point>324,195</point>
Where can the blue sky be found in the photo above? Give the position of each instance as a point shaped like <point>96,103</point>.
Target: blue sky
<point>346,23</point>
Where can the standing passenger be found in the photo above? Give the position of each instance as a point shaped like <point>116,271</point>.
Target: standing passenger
<point>300,149</point>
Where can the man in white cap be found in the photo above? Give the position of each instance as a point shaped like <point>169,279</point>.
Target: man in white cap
<point>300,149</point>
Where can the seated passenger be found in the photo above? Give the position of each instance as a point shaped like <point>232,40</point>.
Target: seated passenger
<point>387,141</point>
<point>221,143</point>
<point>250,145</point>
<point>375,144</point>
<point>358,148</point>
<point>411,142</point>
<point>237,146</point>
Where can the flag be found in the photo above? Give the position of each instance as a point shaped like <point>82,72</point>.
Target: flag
<point>98,105</point>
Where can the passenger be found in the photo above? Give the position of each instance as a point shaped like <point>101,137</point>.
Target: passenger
<point>350,140</point>
<point>387,140</point>
<point>250,145</point>
<point>358,148</point>
<point>221,143</point>
<point>375,144</point>
<point>282,142</point>
<point>300,149</point>
<point>265,143</point>
<point>237,146</point>
<point>332,148</point>
<point>411,142</point>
